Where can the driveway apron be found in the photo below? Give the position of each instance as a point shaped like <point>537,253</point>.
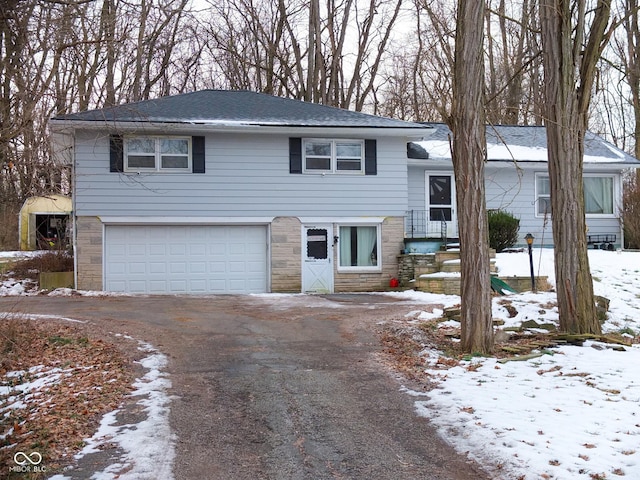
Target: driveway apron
<point>277,387</point>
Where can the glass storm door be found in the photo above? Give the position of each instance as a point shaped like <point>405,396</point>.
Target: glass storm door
<point>441,201</point>
<point>317,259</point>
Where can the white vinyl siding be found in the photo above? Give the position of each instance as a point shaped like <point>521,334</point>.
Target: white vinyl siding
<point>194,259</point>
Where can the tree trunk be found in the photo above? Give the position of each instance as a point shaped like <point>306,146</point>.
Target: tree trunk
<point>569,69</point>
<point>469,151</point>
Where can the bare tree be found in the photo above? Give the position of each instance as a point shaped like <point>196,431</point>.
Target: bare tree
<point>329,53</point>
<point>573,38</point>
<point>631,58</point>
<point>513,56</point>
<point>469,152</point>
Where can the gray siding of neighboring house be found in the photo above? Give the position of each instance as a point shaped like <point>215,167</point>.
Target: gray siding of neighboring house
<point>246,176</point>
<point>514,191</point>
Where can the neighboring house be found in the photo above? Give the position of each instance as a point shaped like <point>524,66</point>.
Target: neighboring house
<point>236,192</point>
<point>517,181</point>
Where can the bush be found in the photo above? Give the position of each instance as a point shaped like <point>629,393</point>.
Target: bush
<point>503,229</point>
<point>50,261</point>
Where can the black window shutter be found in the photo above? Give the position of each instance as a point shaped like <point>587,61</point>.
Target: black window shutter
<point>197,154</point>
<point>370,160</point>
<point>295,155</point>
<point>116,156</point>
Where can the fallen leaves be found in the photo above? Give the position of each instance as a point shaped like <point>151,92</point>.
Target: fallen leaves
<point>55,385</point>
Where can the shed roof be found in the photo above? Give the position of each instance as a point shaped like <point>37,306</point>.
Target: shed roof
<point>236,108</point>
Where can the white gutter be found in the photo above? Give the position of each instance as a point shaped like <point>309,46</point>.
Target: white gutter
<point>166,220</point>
<point>239,127</point>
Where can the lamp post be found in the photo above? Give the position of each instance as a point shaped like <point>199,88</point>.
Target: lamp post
<point>529,238</point>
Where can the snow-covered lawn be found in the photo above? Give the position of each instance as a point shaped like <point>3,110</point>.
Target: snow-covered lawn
<point>572,413</point>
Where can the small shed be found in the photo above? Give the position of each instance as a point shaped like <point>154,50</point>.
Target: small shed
<point>44,222</point>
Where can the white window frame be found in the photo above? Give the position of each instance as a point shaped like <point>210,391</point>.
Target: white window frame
<point>158,154</point>
<point>615,204</point>
<point>538,195</point>
<point>360,269</point>
<point>614,195</point>
<point>333,161</point>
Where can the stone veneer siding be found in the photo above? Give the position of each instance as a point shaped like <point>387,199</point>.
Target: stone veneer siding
<point>286,255</point>
<point>89,253</point>
<point>392,244</point>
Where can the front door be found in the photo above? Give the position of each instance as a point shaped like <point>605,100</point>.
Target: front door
<point>317,259</point>
<point>441,200</point>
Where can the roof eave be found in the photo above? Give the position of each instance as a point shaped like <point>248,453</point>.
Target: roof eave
<point>66,125</point>
<point>529,164</point>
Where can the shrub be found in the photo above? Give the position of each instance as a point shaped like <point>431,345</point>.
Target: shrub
<point>503,229</point>
<point>49,261</point>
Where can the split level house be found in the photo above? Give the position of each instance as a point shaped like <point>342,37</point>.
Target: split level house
<point>240,192</point>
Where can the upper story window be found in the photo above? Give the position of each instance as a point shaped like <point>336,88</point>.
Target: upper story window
<point>599,195</point>
<point>171,154</point>
<point>332,156</point>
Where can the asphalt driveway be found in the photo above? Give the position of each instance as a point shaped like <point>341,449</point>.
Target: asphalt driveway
<point>277,387</point>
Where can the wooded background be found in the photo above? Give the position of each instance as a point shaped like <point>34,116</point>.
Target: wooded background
<point>387,57</point>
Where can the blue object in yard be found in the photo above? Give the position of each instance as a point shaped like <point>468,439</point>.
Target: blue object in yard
<point>422,246</point>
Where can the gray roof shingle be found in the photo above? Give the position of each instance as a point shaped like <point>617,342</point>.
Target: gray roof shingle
<point>229,107</point>
<point>524,144</point>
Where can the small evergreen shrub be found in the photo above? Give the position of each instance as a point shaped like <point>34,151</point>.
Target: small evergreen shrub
<point>503,229</point>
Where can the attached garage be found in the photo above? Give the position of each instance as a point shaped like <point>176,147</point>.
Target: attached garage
<point>190,259</point>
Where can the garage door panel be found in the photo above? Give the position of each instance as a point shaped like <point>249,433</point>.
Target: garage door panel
<point>186,259</point>
<point>137,286</point>
<point>157,286</point>
<point>177,267</point>
<point>157,267</point>
<point>197,267</point>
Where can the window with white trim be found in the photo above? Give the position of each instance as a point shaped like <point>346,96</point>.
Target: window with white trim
<point>359,248</point>
<point>543,196</point>
<point>161,154</point>
<point>599,195</point>
<point>333,156</point>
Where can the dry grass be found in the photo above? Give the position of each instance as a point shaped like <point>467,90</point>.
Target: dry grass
<point>50,261</point>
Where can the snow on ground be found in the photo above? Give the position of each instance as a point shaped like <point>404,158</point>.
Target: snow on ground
<point>141,458</point>
<point>572,413</point>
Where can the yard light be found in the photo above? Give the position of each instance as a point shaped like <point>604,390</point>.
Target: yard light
<point>529,238</point>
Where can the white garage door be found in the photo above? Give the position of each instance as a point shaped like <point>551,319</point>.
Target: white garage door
<point>186,259</point>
